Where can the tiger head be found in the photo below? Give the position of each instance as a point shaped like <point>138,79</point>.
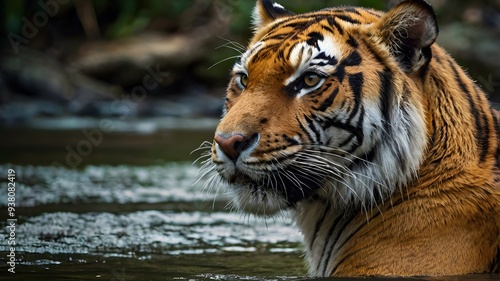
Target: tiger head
<point>325,106</point>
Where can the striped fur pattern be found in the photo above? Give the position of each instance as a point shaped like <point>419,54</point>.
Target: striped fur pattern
<point>380,145</point>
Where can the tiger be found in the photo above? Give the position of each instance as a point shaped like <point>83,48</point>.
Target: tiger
<point>377,143</point>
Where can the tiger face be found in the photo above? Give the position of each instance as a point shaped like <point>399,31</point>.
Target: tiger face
<point>323,106</point>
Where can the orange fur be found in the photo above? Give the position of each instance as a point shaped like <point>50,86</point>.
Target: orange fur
<point>439,216</point>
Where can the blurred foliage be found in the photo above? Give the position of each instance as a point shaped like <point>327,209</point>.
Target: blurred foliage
<point>125,18</point>
<point>116,19</point>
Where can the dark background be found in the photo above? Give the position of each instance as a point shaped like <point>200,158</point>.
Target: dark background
<point>64,61</point>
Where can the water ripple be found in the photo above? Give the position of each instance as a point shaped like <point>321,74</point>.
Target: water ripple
<point>152,232</point>
<point>107,184</point>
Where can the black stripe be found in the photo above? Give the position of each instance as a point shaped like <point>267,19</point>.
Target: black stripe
<point>432,137</point>
<point>364,158</point>
<point>351,10</point>
<point>346,141</point>
<point>319,223</point>
<point>340,73</point>
<point>482,132</point>
<point>289,140</point>
<point>327,28</point>
<point>359,131</point>
<point>334,23</point>
<point>427,53</point>
<point>353,59</point>
<point>372,12</point>
<point>313,128</point>
<point>313,42</point>
<point>316,36</point>
<point>333,122</point>
<point>299,25</point>
<point>369,46</point>
<point>374,216</point>
<point>277,36</point>
<point>357,230</point>
<point>291,22</point>
<point>484,118</point>
<point>333,11</point>
<point>354,130</point>
<point>301,22</point>
<point>330,233</point>
<point>386,97</point>
<point>303,129</point>
<point>281,56</point>
<point>327,60</point>
<point>496,123</point>
<point>348,19</point>
<point>356,84</point>
<point>328,101</point>
<point>351,253</point>
<point>341,229</point>
<point>441,135</point>
<point>352,42</point>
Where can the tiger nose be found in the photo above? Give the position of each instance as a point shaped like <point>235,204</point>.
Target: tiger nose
<point>234,145</point>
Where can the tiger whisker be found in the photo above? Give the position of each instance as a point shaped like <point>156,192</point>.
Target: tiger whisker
<point>237,45</point>
<point>334,173</point>
<point>206,187</point>
<point>228,45</point>
<point>221,61</point>
<point>295,181</point>
<point>332,151</point>
<point>201,158</point>
<point>204,145</point>
<point>354,174</point>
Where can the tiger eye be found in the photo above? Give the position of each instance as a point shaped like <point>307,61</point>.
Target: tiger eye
<point>243,80</point>
<point>311,79</point>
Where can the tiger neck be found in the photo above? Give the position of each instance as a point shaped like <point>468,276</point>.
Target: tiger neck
<point>459,128</point>
<point>326,229</point>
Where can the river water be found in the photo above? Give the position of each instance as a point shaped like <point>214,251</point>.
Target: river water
<point>132,209</point>
<point>130,221</point>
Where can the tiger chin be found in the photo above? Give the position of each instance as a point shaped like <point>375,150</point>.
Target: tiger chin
<point>382,148</point>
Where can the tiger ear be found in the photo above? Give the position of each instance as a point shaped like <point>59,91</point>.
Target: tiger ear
<point>409,29</point>
<point>267,11</point>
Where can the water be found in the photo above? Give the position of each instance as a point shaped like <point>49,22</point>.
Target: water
<point>132,210</point>
<point>140,221</point>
